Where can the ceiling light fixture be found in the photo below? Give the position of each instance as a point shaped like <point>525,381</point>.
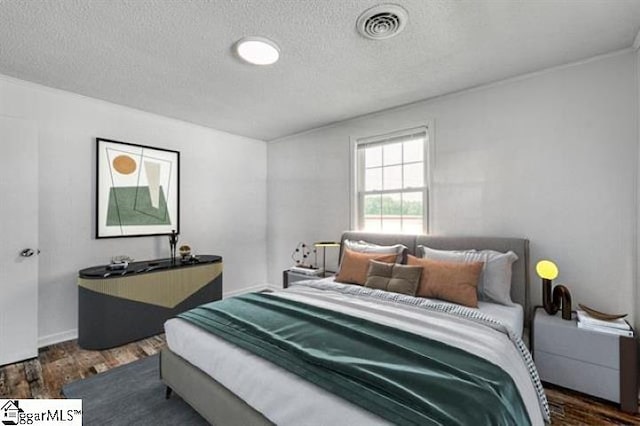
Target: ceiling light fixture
<point>257,50</point>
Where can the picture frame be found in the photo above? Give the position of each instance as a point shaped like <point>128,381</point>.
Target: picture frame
<point>137,190</point>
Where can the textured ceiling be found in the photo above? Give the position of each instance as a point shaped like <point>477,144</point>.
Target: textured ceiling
<point>174,57</point>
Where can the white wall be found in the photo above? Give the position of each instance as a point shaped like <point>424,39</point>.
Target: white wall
<point>634,296</point>
<point>223,194</point>
<point>551,156</point>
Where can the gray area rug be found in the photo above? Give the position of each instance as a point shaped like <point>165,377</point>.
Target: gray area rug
<point>130,395</point>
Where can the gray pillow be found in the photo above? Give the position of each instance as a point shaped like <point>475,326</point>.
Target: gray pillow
<point>366,247</point>
<point>392,277</point>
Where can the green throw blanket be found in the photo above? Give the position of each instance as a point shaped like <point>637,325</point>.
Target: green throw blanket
<point>402,377</point>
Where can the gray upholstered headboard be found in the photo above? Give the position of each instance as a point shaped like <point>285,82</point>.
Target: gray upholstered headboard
<point>520,246</point>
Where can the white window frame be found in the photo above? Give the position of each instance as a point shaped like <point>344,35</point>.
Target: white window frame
<point>356,190</point>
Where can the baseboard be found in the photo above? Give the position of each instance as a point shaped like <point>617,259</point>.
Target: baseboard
<point>251,289</point>
<point>54,338</point>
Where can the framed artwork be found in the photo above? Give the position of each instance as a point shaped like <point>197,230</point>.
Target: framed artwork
<point>138,190</point>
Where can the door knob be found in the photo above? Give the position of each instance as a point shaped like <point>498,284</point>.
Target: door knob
<point>27,252</point>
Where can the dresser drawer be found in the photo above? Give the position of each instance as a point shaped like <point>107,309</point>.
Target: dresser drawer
<point>592,379</point>
<point>565,339</point>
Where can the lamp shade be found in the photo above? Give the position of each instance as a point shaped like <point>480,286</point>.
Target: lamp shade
<point>547,269</point>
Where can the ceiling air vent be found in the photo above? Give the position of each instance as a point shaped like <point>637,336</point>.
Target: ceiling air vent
<point>382,21</point>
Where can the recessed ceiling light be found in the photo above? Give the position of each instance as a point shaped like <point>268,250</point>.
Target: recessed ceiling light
<point>257,50</point>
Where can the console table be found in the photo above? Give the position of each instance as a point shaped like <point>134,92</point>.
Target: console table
<point>119,306</point>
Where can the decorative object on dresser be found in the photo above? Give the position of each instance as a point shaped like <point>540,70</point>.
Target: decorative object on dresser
<point>137,190</point>
<point>121,258</point>
<point>119,306</point>
<point>185,252</point>
<point>547,270</point>
<point>173,242</point>
<point>119,263</point>
<point>596,363</point>
<point>324,245</point>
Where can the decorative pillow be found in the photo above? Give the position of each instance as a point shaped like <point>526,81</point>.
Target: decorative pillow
<point>365,247</point>
<point>451,281</point>
<point>354,267</point>
<point>392,277</point>
<point>494,284</point>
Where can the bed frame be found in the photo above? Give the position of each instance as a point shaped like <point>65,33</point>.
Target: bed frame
<point>214,402</point>
<point>220,406</point>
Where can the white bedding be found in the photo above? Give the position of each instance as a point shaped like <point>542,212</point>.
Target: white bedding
<point>511,316</point>
<point>286,399</point>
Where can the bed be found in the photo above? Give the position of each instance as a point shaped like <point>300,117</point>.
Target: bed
<point>229,385</point>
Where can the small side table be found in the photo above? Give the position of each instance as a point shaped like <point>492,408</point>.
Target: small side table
<point>289,277</point>
<point>599,364</point>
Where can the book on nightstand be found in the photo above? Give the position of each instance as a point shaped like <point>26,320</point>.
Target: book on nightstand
<point>619,326</point>
<point>306,271</point>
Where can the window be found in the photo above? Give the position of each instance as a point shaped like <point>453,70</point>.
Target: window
<point>390,182</point>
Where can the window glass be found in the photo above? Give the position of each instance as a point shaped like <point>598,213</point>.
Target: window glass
<point>392,177</point>
<point>373,179</point>
<point>392,196</point>
<point>373,212</point>
<point>373,156</point>
<point>413,175</point>
<point>392,212</point>
<point>392,154</point>
<point>413,150</point>
<point>412,212</point>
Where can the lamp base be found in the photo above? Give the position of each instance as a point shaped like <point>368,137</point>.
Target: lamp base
<point>561,298</point>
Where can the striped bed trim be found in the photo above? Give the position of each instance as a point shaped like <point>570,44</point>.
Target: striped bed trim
<point>448,308</point>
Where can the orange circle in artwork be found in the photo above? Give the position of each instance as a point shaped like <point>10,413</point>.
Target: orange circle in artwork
<point>124,164</point>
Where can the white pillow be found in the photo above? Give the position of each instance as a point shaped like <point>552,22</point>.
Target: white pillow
<point>366,247</point>
<point>494,283</point>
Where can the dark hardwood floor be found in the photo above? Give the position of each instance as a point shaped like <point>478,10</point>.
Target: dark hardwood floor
<point>66,362</point>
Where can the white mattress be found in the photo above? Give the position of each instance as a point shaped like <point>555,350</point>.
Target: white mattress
<point>266,386</point>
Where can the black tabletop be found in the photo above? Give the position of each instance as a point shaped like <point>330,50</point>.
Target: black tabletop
<point>103,271</point>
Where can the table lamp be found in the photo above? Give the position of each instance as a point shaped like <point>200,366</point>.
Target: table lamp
<point>324,245</point>
<point>561,297</point>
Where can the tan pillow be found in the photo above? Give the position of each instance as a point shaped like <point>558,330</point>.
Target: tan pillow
<point>450,281</point>
<point>354,267</point>
<point>396,278</point>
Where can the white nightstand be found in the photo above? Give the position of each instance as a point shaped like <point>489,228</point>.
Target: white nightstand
<point>598,364</point>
